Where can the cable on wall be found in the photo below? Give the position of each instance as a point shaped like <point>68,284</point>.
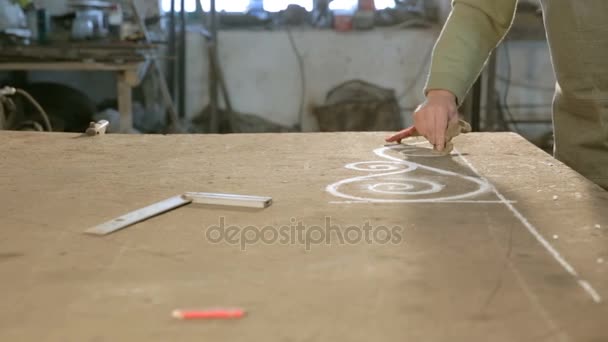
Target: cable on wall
<point>505,104</point>
<point>300,61</point>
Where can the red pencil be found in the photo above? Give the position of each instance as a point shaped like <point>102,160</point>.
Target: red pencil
<point>209,314</point>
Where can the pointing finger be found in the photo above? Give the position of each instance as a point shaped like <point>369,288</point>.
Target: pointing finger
<point>397,137</point>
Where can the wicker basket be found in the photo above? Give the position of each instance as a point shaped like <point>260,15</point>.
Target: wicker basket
<point>359,106</point>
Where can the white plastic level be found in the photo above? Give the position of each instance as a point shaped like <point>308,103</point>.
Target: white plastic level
<point>138,215</point>
<point>229,199</point>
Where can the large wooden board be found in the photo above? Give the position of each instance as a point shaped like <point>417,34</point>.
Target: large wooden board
<point>510,252</point>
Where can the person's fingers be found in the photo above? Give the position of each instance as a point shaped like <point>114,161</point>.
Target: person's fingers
<point>397,137</point>
<point>439,129</point>
<point>424,125</point>
<point>431,130</point>
<point>454,119</point>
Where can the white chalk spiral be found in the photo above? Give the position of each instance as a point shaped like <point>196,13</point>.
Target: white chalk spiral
<point>407,187</point>
<point>387,178</point>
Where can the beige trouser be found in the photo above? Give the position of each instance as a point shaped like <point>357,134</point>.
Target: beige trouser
<point>577,32</point>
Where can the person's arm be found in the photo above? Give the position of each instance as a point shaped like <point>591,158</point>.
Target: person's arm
<point>473,29</point>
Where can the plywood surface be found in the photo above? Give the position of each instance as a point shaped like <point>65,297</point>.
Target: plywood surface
<point>514,253</point>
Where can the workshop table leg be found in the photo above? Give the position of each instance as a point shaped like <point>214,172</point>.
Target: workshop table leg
<point>126,80</point>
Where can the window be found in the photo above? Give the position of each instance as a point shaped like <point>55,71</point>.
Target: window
<point>384,4</point>
<point>352,4</point>
<point>241,6</point>
<point>225,5</point>
<point>279,5</point>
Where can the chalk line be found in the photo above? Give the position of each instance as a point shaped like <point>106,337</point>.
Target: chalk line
<point>429,201</point>
<point>585,285</point>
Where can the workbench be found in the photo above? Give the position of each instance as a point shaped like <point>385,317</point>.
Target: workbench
<point>127,77</point>
<point>496,242</point>
<point>128,61</point>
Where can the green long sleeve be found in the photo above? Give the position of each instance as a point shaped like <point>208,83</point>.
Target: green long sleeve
<point>473,29</point>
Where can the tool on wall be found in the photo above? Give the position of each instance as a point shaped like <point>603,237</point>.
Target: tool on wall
<point>213,74</point>
<point>164,88</point>
<point>218,117</point>
<point>217,82</point>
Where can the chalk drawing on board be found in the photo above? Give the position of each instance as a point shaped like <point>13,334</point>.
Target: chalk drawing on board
<point>398,180</point>
<point>392,177</point>
<point>584,284</point>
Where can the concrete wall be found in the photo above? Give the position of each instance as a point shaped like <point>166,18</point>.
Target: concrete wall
<point>263,78</point>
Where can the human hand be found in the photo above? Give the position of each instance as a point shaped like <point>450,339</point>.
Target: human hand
<point>431,119</point>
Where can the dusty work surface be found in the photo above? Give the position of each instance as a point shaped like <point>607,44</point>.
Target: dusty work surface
<point>517,252</point>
